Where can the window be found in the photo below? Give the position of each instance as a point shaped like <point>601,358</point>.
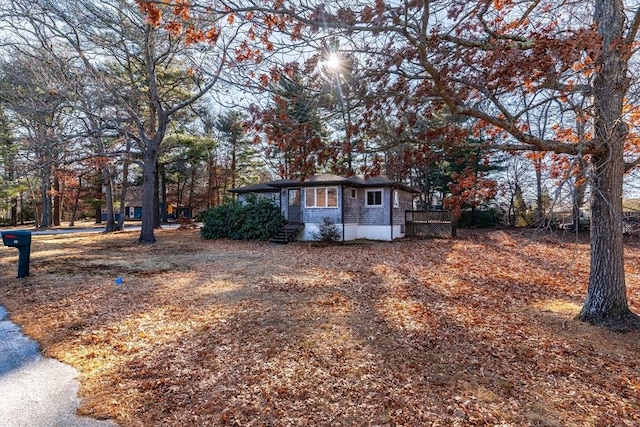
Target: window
<point>374,197</point>
<point>321,197</point>
<point>332,197</point>
<point>353,193</point>
<point>396,199</point>
<point>310,197</point>
<point>294,197</point>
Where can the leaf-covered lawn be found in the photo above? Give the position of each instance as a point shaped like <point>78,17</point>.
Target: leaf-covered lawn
<point>473,331</point>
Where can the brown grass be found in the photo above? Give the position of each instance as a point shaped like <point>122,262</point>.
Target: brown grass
<point>473,331</point>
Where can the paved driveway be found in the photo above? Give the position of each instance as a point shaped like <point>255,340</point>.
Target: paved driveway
<point>36,391</point>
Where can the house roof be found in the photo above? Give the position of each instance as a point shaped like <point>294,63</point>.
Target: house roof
<point>325,179</point>
<point>254,188</point>
<point>284,183</point>
<point>380,181</point>
<point>265,187</point>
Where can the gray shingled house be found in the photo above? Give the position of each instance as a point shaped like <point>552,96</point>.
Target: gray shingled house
<point>362,208</point>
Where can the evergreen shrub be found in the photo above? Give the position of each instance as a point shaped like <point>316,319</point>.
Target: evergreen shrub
<point>327,231</point>
<point>256,219</point>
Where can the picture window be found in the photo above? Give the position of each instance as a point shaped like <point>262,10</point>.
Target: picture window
<point>321,197</point>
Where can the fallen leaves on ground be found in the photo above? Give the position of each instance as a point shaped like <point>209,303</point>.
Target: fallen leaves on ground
<point>473,331</point>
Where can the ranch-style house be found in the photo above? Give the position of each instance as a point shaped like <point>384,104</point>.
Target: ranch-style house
<point>361,207</point>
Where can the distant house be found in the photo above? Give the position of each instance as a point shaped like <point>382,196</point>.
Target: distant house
<point>362,208</point>
<point>133,210</point>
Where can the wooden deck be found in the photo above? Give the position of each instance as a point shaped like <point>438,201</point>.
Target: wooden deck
<point>429,223</point>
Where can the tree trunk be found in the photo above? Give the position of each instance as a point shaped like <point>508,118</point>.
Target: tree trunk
<point>108,199</point>
<point>45,182</point>
<point>163,194</point>
<point>192,187</point>
<point>511,212</point>
<point>156,198</point>
<point>98,204</point>
<point>125,185</point>
<point>50,207</point>
<point>14,211</point>
<point>98,213</point>
<point>57,202</point>
<point>606,302</point>
<point>539,199</point>
<point>454,225</point>
<point>76,203</point>
<point>149,171</point>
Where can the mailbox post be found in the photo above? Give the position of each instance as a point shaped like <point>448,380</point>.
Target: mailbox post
<point>20,239</point>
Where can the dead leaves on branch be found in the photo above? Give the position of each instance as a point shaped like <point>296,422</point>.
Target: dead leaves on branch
<point>472,331</point>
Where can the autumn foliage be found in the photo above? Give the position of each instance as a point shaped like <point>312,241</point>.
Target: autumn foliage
<point>294,135</point>
<point>470,188</point>
<point>510,67</point>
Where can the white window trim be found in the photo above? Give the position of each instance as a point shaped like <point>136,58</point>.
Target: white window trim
<point>374,190</point>
<point>326,198</point>
<point>353,193</point>
<point>395,195</point>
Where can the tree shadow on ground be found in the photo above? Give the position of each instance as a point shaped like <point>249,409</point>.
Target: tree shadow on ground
<point>390,333</point>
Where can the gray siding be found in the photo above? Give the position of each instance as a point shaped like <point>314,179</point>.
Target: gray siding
<point>406,204</point>
<point>352,206</point>
<point>375,215</point>
<point>316,215</point>
<point>355,210</point>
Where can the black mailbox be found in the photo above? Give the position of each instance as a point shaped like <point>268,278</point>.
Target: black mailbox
<point>20,239</point>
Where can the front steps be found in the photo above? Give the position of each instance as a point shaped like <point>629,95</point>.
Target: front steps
<point>288,233</point>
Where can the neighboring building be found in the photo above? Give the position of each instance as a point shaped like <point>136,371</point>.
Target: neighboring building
<point>362,208</point>
<point>133,207</point>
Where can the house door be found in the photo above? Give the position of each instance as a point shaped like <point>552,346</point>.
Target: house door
<point>293,213</point>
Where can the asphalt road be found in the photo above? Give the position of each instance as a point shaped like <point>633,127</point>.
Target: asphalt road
<point>86,230</point>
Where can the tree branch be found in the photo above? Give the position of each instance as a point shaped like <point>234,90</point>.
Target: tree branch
<point>633,29</point>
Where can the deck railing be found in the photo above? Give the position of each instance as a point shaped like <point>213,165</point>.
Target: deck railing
<point>428,216</point>
<point>428,223</point>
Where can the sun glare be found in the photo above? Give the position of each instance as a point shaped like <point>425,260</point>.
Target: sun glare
<point>333,61</point>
